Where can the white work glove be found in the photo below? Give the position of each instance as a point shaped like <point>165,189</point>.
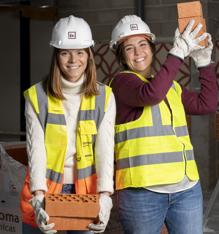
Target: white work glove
<point>41,217</point>
<point>202,57</point>
<point>106,205</point>
<point>188,41</point>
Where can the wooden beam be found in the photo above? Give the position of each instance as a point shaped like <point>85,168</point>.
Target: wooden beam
<point>32,12</point>
<point>39,13</point>
<point>8,7</point>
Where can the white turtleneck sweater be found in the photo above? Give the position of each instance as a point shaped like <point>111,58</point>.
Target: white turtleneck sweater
<point>104,147</point>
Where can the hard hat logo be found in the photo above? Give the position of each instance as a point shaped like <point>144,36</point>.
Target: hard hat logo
<point>133,27</point>
<point>71,35</point>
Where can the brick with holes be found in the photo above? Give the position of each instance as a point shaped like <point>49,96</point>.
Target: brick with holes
<point>72,211</point>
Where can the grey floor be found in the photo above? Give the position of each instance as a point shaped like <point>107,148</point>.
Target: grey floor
<point>211,211</point>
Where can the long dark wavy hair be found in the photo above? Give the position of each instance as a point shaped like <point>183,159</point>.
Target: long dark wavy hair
<point>120,54</point>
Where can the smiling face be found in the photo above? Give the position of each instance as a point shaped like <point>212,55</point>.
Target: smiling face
<point>72,63</point>
<point>137,54</point>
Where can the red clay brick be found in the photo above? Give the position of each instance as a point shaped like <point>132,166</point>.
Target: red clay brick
<point>72,211</point>
<point>184,21</point>
<point>189,9</point>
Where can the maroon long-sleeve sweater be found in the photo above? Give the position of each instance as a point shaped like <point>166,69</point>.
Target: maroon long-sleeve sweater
<point>132,94</point>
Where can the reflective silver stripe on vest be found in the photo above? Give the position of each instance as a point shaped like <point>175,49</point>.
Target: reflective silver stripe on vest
<point>86,172</point>
<point>56,119</point>
<point>44,116</point>
<point>149,131</point>
<point>149,159</point>
<point>189,154</point>
<point>156,116</point>
<point>143,132</point>
<point>87,115</point>
<point>42,103</point>
<point>97,114</point>
<point>166,130</point>
<point>54,176</point>
<point>181,131</point>
<point>100,105</point>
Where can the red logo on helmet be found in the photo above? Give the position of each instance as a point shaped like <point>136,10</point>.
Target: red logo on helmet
<point>71,35</point>
<point>133,27</point>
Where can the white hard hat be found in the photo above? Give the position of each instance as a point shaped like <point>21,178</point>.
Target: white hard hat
<point>71,33</point>
<point>127,26</point>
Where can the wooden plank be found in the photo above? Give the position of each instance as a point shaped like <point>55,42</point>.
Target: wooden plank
<point>17,151</point>
<point>32,12</point>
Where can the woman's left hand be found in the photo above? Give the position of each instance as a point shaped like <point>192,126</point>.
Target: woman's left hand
<point>106,205</point>
<point>202,57</point>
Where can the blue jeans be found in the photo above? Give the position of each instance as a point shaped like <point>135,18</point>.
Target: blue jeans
<point>144,212</point>
<point>28,229</point>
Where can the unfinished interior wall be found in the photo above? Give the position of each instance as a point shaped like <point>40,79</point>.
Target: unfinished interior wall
<point>9,72</point>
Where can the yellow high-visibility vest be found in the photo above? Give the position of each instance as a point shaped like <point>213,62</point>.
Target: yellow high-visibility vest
<point>50,113</point>
<point>155,149</point>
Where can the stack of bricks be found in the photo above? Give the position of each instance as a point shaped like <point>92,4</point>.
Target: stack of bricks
<point>72,211</point>
<point>188,11</point>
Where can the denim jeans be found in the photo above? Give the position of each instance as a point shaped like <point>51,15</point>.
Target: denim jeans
<point>144,212</point>
<point>28,229</point>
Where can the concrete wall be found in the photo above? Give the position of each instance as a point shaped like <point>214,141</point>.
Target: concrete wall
<point>40,56</point>
<point>160,15</point>
<point>41,52</point>
<point>9,72</point>
<point>102,15</point>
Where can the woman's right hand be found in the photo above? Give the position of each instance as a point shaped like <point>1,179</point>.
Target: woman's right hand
<point>188,41</point>
<point>106,205</point>
<point>41,217</point>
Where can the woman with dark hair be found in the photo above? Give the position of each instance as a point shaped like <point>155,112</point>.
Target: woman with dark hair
<point>157,179</point>
<point>70,130</point>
